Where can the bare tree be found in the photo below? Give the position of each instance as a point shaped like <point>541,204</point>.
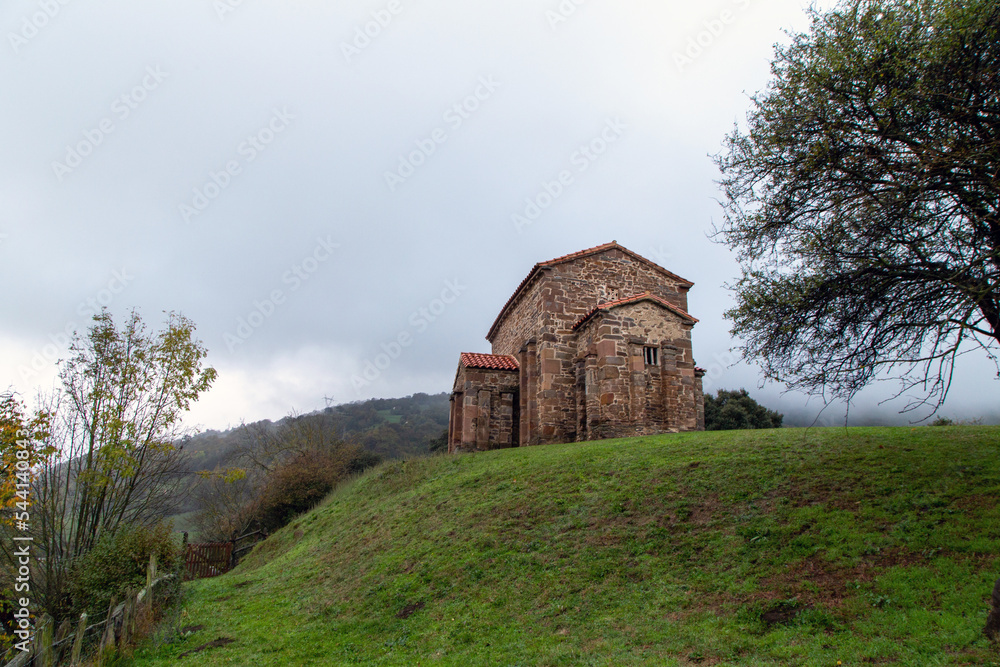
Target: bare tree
<point>275,468</point>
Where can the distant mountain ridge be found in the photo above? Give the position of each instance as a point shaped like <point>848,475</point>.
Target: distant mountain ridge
<point>390,427</point>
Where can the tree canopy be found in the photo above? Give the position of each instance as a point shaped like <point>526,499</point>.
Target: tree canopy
<point>110,459</point>
<point>863,199</point>
<point>734,410</point>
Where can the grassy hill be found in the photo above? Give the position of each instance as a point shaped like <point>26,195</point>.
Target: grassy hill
<point>786,547</point>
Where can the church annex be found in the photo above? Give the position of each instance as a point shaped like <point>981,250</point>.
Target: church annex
<point>596,344</point>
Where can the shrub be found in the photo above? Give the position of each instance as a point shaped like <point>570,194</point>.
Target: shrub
<point>118,563</point>
<point>300,483</point>
<point>440,443</point>
<point>732,410</point>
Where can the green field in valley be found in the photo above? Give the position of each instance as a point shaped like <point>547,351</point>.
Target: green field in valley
<point>782,547</point>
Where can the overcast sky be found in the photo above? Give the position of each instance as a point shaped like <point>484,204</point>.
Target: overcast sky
<point>308,181</point>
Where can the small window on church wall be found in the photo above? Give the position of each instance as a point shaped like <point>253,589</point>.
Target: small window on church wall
<point>651,354</point>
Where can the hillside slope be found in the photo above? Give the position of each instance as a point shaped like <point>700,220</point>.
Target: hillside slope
<point>785,547</point>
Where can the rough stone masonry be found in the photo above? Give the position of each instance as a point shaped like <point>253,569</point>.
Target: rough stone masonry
<point>596,344</point>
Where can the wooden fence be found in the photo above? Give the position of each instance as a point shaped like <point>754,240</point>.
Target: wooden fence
<point>210,559</point>
<point>207,560</point>
<point>65,646</point>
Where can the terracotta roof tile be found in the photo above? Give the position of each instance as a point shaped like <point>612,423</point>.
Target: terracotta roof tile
<point>578,254</point>
<point>568,258</point>
<point>645,296</point>
<point>495,362</point>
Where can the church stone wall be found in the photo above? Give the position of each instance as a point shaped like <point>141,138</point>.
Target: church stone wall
<point>570,391</point>
<point>555,302</point>
<point>618,393</point>
<point>521,323</point>
<point>484,410</point>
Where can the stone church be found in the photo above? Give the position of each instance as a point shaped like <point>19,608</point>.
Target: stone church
<point>596,344</point>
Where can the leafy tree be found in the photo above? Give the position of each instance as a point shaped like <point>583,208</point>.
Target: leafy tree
<point>22,438</point>
<point>112,462</point>
<point>21,448</point>
<point>735,410</point>
<point>300,483</point>
<point>863,199</point>
<point>118,563</point>
<point>228,503</point>
<point>440,443</point>
<point>274,473</point>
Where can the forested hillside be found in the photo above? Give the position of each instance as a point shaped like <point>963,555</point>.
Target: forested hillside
<point>381,429</point>
<point>389,427</point>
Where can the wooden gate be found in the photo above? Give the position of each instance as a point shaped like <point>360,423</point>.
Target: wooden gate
<point>207,559</point>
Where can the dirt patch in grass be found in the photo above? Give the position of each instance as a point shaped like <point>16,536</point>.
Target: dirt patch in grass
<point>815,581</point>
<point>696,658</point>
<point>976,502</point>
<point>781,614</point>
<point>834,495</point>
<point>409,610</point>
<point>216,643</point>
<point>901,558</point>
<point>702,513</point>
<point>191,629</point>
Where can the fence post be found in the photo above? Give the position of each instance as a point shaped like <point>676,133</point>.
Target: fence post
<point>43,641</point>
<point>65,629</point>
<point>151,572</point>
<point>128,612</point>
<point>108,636</point>
<point>81,630</point>
<point>150,578</point>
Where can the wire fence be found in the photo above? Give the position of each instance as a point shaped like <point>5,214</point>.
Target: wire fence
<point>70,644</point>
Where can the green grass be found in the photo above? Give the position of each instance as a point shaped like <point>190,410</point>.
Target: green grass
<point>390,417</point>
<point>786,547</point>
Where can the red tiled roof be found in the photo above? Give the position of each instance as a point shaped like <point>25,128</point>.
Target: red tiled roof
<point>493,362</point>
<point>645,296</point>
<point>537,269</point>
